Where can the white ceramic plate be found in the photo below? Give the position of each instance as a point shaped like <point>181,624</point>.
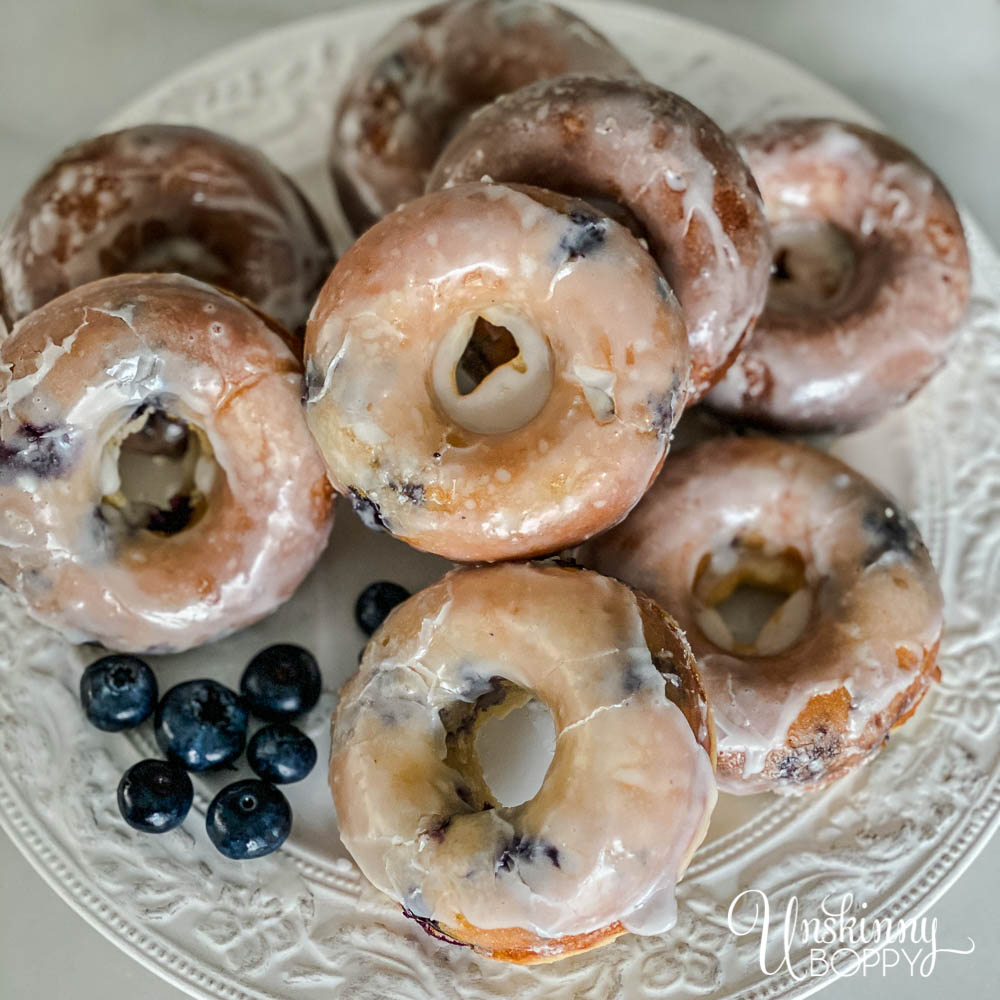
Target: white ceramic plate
<point>302,923</point>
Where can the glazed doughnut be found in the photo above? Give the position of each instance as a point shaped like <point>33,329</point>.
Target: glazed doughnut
<point>852,648</point>
<point>672,172</point>
<point>494,373</point>
<point>428,73</point>
<point>165,198</point>
<point>96,377</point>
<point>598,850</point>
<point>870,285</point>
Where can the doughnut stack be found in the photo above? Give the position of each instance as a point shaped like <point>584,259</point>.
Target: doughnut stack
<point>554,259</point>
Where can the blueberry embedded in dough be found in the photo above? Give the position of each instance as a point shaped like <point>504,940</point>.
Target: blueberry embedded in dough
<point>47,452</point>
<point>892,532</point>
<point>632,679</point>
<point>662,411</point>
<point>412,492</point>
<point>665,410</point>
<point>369,511</point>
<point>525,850</point>
<point>437,830</point>
<point>480,694</point>
<point>806,764</point>
<point>585,235</point>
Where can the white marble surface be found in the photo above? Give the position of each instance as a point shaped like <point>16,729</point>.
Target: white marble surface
<point>931,71</point>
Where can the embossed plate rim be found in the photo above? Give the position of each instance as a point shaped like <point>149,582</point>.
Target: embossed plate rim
<point>25,825</point>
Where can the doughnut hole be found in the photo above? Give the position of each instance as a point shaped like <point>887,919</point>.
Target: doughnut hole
<point>155,247</point>
<point>752,602</point>
<point>492,371</point>
<point>156,474</point>
<point>502,743</point>
<point>813,267</point>
<point>489,347</point>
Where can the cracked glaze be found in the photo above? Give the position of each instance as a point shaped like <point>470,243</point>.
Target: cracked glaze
<point>623,805</point>
<point>75,377</point>
<point>667,164</point>
<point>578,283</point>
<point>422,79</point>
<point>800,717</point>
<point>165,198</point>
<point>892,325</point>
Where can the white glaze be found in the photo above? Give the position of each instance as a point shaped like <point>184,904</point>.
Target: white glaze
<point>613,338</point>
<point>87,216</point>
<point>657,156</point>
<point>511,395</point>
<point>419,81</point>
<point>110,347</point>
<point>864,619</point>
<point>626,798</point>
<point>890,327</point>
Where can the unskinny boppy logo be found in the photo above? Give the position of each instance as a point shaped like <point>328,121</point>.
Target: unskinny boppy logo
<point>838,941</point>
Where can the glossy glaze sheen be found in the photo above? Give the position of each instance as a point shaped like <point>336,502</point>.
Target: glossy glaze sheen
<point>624,802</point>
<point>591,294</point>
<point>665,162</point>
<point>74,374</point>
<point>870,644</point>
<point>164,198</point>
<point>277,88</point>
<point>422,79</point>
<point>893,327</point>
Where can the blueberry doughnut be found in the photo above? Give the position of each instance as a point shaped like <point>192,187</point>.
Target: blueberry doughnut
<point>870,284</point>
<point>158,485</point>
<point>850,648</point>
<point>494,373</point>
<point>598,850</point>
<point>165,198</point>
<point>428,73</point>
<point>654,161</point>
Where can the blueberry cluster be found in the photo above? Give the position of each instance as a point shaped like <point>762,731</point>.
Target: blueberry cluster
<point>201,725</point>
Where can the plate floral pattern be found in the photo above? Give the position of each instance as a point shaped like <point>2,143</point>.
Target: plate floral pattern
<point>303,923</point>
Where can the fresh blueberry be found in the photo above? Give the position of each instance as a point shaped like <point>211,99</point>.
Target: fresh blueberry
<point>248,819</point>
<point>118,692</point>
<point>154,796</point>
<point>281,682</point>
<point>375,602</point>
<point>201,724</point>
<point>281,753</point>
